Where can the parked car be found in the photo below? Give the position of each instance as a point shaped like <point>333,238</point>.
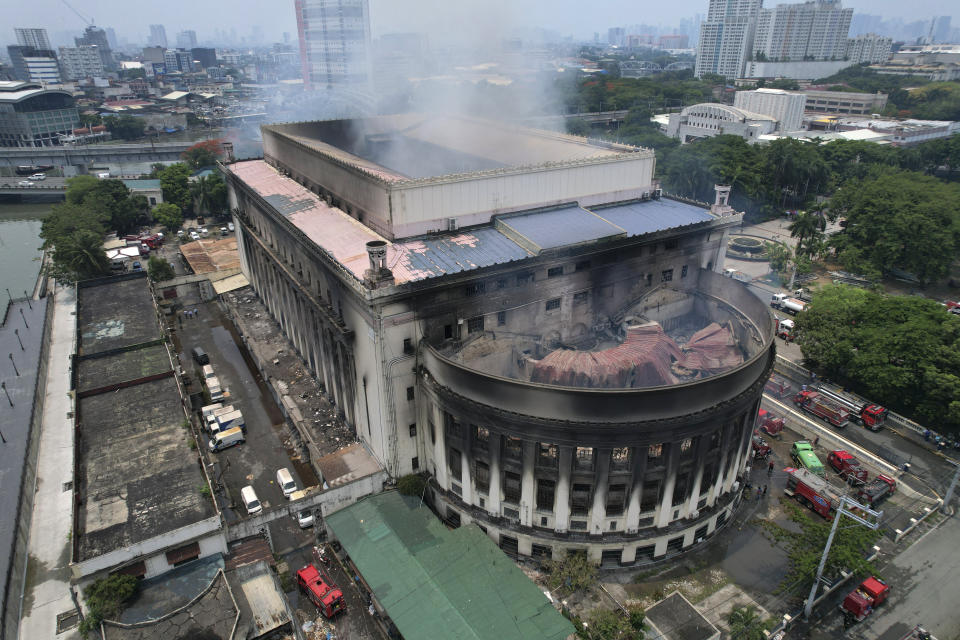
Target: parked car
<point>38,176</point>
<point>250,500</point>
<point>137,266</point>
<point>230,227</point>
<point>194,235</point>
<point>223,231</point>
<point>305,519</point>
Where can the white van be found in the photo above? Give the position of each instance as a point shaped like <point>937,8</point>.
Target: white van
<point>212,423</point>
<point>250,500</point>
<point>208,371</point>
<point>226,439</point>
<point>285,482</point>
<point>208,410</point>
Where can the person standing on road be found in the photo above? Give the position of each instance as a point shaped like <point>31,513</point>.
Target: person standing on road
<point>759,493</point>
<point>770,468</point>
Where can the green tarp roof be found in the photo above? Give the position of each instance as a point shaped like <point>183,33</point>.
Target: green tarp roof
<point>438,583</point>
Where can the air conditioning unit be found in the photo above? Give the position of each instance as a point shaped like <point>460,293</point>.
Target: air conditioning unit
<point>694,514</point>
<point>657,194</point>
<point>451,224</point>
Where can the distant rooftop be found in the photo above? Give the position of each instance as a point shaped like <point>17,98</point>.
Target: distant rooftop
<point>465,588</point>
<point>125,316</point>
<point>510,238</point>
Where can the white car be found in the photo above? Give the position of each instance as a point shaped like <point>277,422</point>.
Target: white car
<point>24,183</point>
<point>305,519</point>
<point>194,235</point>
<point>230,227</point>
<point>38,176</point>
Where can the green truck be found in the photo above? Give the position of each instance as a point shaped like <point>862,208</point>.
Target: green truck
<point>803,455</point>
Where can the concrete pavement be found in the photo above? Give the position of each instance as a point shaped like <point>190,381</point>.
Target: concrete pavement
<point>47,591</point>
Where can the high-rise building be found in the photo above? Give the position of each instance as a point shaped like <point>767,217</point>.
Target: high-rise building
<point>207,57</point>
<point>111,38</point>
<point>81,62</point>
<point>616,36</point>
<point>36,38</point>
<point>187,39</point>
<point>815,30</point>
<point>869,48</point>
<point>726,37</point>
<point>158,36</point>
<point>786,106</point>
<point>178,60</point>
<point>95,36</point>
<point>940,30</point>
<point>334,43</point>
<point>34,65</point>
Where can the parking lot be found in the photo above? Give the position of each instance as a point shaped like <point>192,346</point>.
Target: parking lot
<point>268,445</point>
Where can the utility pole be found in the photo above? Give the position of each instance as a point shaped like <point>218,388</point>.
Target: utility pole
<point>841,511</point>
<point>945,506</point>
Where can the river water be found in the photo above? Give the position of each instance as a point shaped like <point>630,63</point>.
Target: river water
<point>20,253</point>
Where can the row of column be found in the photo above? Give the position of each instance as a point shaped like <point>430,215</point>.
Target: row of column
<point>733,453</point>
<point>330,359</point>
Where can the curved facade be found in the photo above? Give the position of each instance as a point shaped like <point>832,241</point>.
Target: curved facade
<point>711,119</point>
<point>631,475</point>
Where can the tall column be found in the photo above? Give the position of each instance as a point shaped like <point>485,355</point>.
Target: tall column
<point>466,474</point>
<point>563,489</point>
<point>699,457</point>
<point>601,478</point>
<point>636,489</point>
<point>527,483</point>
<point>669,482</point>
<point>439,449</point>
<point>722,470</point>
<point>493,503</point>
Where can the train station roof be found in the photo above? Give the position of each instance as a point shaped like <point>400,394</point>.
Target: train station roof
<point>441,583</point>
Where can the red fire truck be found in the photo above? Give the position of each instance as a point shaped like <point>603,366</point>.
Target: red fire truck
<point>876,491</point>
<point>823,407</point>
<point>769,423</point>
<point>861,602</point>
<point>325,596</point>
<point>847,466</point>
<point>813,492</point>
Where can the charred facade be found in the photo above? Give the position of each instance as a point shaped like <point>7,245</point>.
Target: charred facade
<point>519,314</point>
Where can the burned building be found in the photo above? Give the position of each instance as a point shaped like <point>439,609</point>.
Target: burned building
<point>522,315</point>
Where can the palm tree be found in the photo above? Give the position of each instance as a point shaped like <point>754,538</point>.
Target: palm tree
<point>806,227</point>
<point>201,193</point>
<point>745,624</point>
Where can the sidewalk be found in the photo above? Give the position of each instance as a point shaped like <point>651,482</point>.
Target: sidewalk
<point>47,591</point>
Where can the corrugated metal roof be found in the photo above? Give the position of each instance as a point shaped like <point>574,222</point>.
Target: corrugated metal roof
<point>558,228</point>
<point>438,583</point>
<point>428,257</point>
<point>649,216</point>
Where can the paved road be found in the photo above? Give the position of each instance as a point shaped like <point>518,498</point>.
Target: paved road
<point>924,581</point>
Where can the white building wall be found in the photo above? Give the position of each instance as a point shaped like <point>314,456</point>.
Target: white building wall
<point>785,106</point>
<point>796,70</point>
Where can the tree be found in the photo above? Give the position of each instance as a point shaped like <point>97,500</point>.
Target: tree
<point>904,350</point>
<point>606,624</point>
<point>745,624</point>
<point>168,215</point>
<point>159,270</point>
<point>412,484</point>
<point>203,154</point>
<point>573,573</point>
<point>898,219</point>
<point>79,256</point>
<point>779,256</point>
<point>126,127</point>
<point>106,599</point>
<point>175,183</point>
<point>78,187</point>
<point>807,228</point>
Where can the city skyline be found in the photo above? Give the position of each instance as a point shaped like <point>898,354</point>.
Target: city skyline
<point>387,17</point>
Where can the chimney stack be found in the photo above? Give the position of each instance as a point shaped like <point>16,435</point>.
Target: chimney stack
<point>378,275</point>
<point>227,152</point>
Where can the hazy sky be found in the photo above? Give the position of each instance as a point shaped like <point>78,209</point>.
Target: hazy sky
<point>131,18</point>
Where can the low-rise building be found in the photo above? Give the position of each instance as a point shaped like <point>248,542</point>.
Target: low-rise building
<point>150,189</point>
<point>934,72</point>
<point>844,102</point>
<point>903,132</point>
<point>785,106</point>
<point>710,119</point>
<point>141,509</point>
<point>31,116</point>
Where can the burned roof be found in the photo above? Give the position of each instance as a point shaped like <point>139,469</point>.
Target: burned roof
<point>413,146</point>
<point>508,239</point>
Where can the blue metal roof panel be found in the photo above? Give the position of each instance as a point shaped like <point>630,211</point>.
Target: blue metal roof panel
<point>649,216</point>
<point>561,227</point>
<point>431,256</point>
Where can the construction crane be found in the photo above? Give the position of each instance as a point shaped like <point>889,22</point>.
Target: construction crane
<point>87,21</point>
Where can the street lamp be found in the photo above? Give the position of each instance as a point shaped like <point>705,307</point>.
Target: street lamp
<point>4,386</point>
<point>17,371</point>
<point>17,333</point>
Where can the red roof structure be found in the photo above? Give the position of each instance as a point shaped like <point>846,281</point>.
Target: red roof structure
<point>643,359</point>
<point>711,350</point>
